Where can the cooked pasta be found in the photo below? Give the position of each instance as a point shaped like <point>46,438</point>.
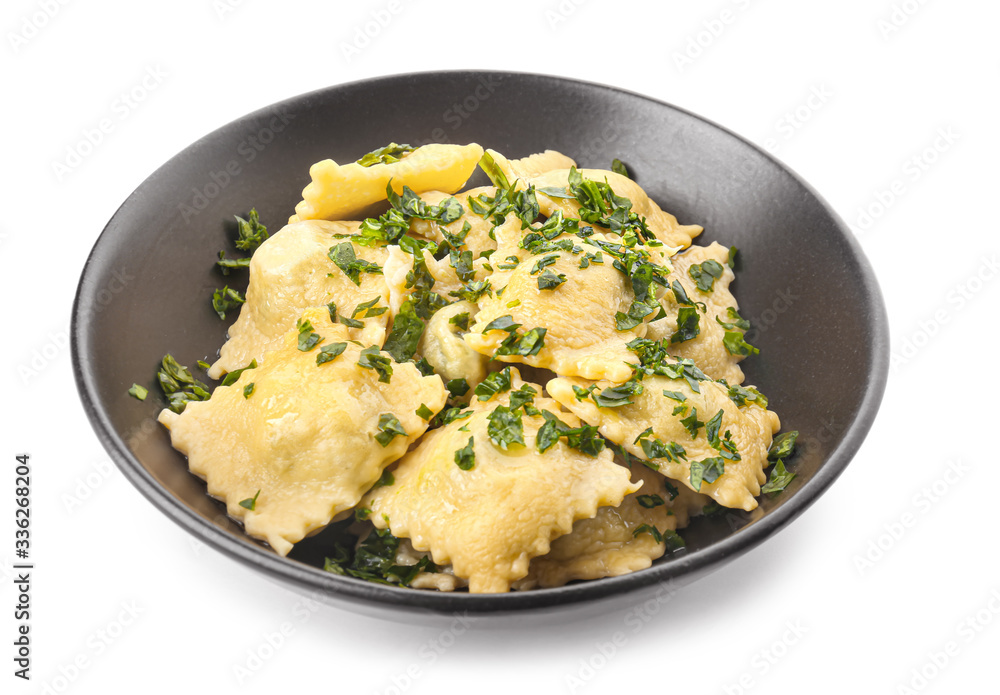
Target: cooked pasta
<point>510,387</point>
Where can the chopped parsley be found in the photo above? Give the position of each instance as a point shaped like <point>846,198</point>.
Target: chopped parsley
<point>584,439</point>
<point>707,470</point>
<point>407,328</point>
<point>234,376</point>
<point>461,321</point>
<point>457,387</point>
<point>619,168</point>
<point>389,154</point>
<point>692,424</point>
<point>307,338</point>
<point>249,389</point>
<point>650,501</point>
<point>179,386</point>
<point>330,352</point>
<point>736,345</point>
<point>705,274</point>
<point>250,233</point>
<point>389,427</point>
<point>465,458</point>
<point>687,325</point>
<point>779,480</point>
<point>374,560</point>
<point>372,358</point>
<point>505,427</point>
<point>549,280</point>
<point>424,413</point>
<point>782,446</point>
<point>250,502</point>
<point>494,383</point>
<point>523,397</point>
<point>225,299</point>
<point>138,392</point>
<point>227,264</point>
<point>671,538</point>
<point>741,395</point>
<point>345,258</point>
<point>616,396</point>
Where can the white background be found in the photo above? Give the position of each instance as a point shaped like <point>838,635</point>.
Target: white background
<point>893,77</point>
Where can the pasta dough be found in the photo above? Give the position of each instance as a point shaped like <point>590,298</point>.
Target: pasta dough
<point>751,427</point>
<point>340,192</point>
<point>706,349</point>
<point>578,315</point>
<point>489,521</point>
<point>291,271</point>
<point>305,438</point>
<point>608,545</point>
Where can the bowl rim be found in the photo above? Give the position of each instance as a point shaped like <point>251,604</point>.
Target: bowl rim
<point>329,586</point>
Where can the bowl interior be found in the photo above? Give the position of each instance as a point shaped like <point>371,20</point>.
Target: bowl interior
<point>814,305</point>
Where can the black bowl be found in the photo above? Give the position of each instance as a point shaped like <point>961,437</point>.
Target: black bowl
<point>815,305</point>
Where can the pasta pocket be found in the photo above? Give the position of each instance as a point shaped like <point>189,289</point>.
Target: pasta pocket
<point>339,192</point>
<point>300,438</point>
<point>618,540</point>
<point>294,270</point>
<point>714,346</point>
<point>701,438</point>
<point>477,493</point>
<point>562,309</point>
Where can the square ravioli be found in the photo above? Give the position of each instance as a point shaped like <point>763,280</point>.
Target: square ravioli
<point>339,192</point>
<point>306,433</point>
<point>708,348</point>
<point>618,540</point>
<point>478,494</point>
<point>700,438</point>
<point>292,271</point>
<point>572,292</point>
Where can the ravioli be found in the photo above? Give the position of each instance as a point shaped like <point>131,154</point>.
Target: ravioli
<point>339,192</point>
<point>304,442</point>
<point>663,225</point>
<point>478,237</point>
<point>608,545</point>
<point>488,522</point>
<point>291,271</point>
<point>578,315</point>
<point>706,349</point>
<point>751,428</point>
<point>398,275</point>
<point>442,346</point>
